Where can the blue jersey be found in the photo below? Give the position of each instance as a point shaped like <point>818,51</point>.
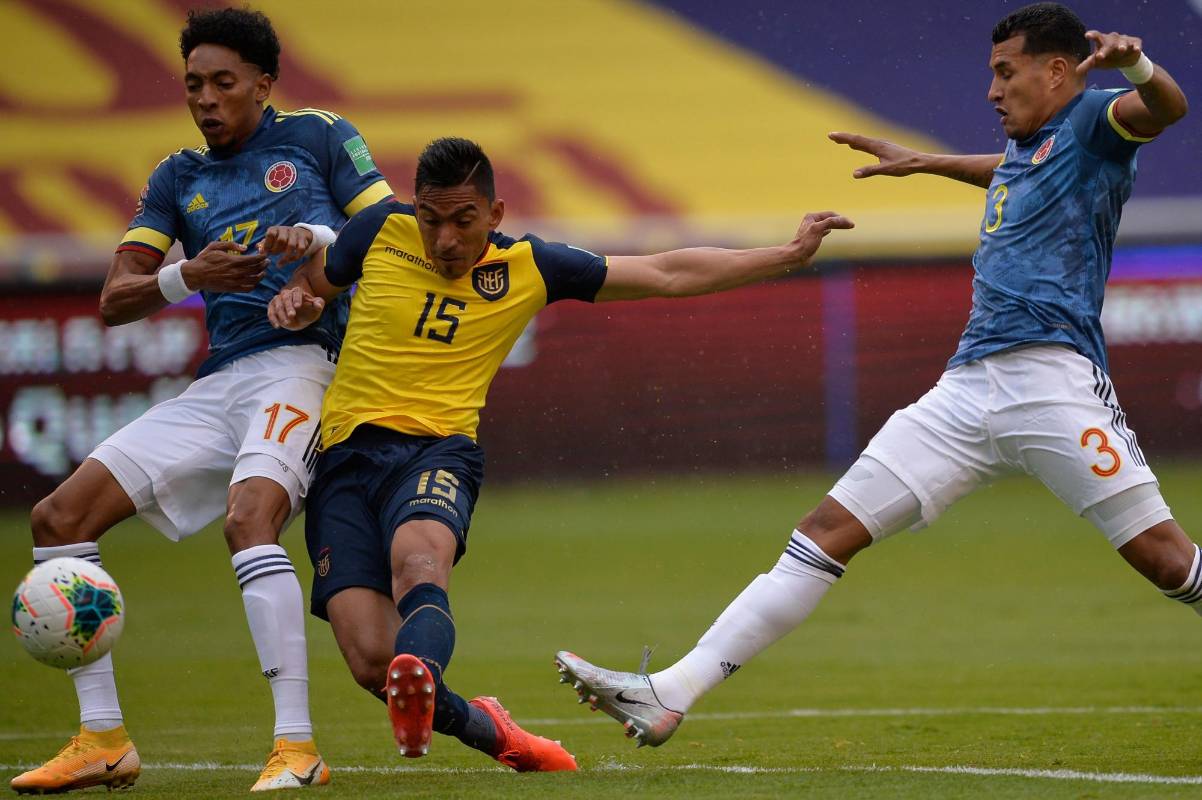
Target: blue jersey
<point>1046,240</point>
<point>299,166</point>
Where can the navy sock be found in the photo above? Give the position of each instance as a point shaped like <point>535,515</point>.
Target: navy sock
<point>428,632</point>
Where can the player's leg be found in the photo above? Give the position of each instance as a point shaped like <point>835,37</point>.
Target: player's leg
<point>274,410</point>
<point>1068,429</point>
<point>923,459</point>
<point>68,523</point>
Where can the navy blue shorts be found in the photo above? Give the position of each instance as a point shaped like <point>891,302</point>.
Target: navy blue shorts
<point>366,486</point>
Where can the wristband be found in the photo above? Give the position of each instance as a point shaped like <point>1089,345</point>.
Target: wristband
<point>171,282</point>
<point>1140,72</point>
<point>323,236</point>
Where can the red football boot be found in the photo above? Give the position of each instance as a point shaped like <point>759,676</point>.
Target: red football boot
<point>410,693</point>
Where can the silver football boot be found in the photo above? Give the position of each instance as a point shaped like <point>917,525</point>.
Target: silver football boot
<point>628,697</point>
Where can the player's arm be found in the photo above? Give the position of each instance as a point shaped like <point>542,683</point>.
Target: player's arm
<point>897,161</point>
<point>134,287</point>
<point>303,299</point>
<point>327,272</point>
<point>1157,101</point>
<point>701,270</point>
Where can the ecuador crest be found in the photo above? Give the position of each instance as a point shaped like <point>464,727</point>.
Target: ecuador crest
<point>491,281</point>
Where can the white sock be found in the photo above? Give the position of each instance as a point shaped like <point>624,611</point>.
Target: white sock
<point>276,614</point>
<point>95,685</point>
<point>771,606</point>
<point>1190,592</point>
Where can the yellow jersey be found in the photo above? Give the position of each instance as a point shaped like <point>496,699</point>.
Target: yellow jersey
<point>422,349</point>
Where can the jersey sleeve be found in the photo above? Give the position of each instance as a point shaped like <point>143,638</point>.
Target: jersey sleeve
<point>344,258</point>
<point>569,273</point>
<point>155,223</point>
<point>354,181</point>
<point>1099,127</point>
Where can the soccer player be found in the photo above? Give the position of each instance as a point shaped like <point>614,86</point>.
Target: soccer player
<point>241,439</point>
<point>441,299</point>
<point>1027,389</point>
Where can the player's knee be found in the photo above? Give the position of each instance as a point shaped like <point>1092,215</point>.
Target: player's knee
<point>55,523</point>
<point>246,526</point>
<point>1170,568</point>
<point>836,530</point>
<point>416,568</point>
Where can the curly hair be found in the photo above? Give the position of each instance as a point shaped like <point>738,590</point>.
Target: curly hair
<point>452,161</point>
<point>248,33</point>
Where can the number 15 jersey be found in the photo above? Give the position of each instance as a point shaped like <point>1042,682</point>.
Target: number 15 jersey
<point>422,349</point>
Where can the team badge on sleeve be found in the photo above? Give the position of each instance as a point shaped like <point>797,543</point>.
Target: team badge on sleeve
<point>491,281</point>
<point>280,176</point>
<point>1043,150</point>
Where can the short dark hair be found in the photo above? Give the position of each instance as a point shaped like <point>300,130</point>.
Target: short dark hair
<point>452,161</point>
<point>1048,28</point>
<point>248,33</point>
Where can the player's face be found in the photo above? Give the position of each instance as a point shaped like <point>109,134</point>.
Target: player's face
<point>225,94</point>
<point>455,223</point>
<point>1023,87</point>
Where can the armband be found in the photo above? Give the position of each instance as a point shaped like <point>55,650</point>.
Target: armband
<point>171,282</point>
<point>1140,72</point>
<point>323,236</point>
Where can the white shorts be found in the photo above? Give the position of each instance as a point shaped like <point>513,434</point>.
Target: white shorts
<point>1044,411</point>
<point>255,417</point>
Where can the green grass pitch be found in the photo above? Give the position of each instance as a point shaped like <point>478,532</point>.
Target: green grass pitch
<point>1004,652</point>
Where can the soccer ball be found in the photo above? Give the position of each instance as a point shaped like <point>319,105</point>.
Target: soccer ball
<point>68,612</point>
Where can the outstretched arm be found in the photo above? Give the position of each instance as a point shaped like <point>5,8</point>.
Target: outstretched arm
<point>897,161</point>
<point>1157,101</point>
<point>701,270</point>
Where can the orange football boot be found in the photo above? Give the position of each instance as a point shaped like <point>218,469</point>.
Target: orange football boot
<point>520,750</point>
<point>409,690</point>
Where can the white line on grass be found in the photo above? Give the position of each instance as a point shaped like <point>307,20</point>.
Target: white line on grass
<point>733,769</point>
<point>717,716</point>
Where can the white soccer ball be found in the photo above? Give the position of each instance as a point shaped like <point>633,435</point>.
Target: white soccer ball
<point>68,612</point>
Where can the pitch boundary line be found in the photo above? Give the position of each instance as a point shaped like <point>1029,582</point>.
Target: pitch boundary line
<point>731,769</point>
<point>790,713</point>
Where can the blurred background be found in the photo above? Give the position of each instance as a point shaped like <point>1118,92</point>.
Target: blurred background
<point>624,127</point>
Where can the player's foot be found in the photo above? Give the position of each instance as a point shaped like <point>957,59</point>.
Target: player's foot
<point>410,693</point>
<point>519,749</point>
<point>104,758</point>
<point>293,765</point>
<point>628,697</point>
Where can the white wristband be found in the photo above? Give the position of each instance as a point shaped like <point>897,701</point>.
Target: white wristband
<point>171,282</point>
<point>323,236</point>
<point>1140,72</point>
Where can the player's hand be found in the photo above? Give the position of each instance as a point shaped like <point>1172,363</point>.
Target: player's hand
<point>895,161</point>
<point>1111,51</point>
<point>286,241</point>
<point>293,308</point>
<point>813,229</point>
<point>225,267</point>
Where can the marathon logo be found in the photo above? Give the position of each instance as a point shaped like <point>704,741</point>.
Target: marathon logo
<point>434,501</point>
<point>491,281</point>
<point>412,259</point>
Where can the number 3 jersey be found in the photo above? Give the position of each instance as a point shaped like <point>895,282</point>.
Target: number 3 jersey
<point>1051,215</point>
<point>421,349</point>
<point>300,166</point>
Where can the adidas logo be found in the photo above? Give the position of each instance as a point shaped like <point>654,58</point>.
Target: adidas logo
<point>729,669</point>
<point>197,203</point>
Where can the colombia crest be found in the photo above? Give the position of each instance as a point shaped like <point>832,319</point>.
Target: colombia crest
<point>1043,150</point>
<point>280,176</point>
<point>491,281</point>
